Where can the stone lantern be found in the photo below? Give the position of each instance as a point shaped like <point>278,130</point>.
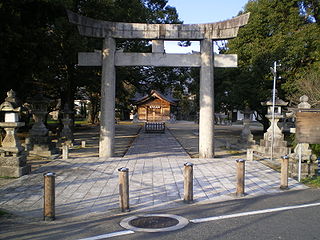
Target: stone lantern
<point>304,102</point>
<point>246,137</point>
<point>66,133</point>
<point>304,148</point>
<point>12,155</point>
<point>279,103</point>
<point>40,141</point>
<point>279,145</point>
<point>39,105</point>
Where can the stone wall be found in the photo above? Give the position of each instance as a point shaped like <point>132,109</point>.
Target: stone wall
<point>307,169</point>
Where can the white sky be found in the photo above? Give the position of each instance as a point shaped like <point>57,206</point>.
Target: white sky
<point>202,11</point>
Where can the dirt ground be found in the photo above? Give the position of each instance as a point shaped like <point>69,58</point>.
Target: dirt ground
<point>125,133</point>
<point>226,138</point>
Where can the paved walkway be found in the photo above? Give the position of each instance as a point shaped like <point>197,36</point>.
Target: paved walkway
<point>87,186</point>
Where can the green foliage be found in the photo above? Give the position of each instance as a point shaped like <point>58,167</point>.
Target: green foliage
<point>291,139</point>
<point>283,31</point>
<point>3,213</point>
<point>8,177</point>
<point>315,149</point>
<point>312,181</point>
<point>38,47</point>
<point>38,51</point>
<point>81,122</point>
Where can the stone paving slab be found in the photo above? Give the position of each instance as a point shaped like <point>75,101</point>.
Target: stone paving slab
<point>86,186</point>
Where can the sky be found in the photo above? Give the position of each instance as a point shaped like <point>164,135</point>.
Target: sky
<point>202,11</point>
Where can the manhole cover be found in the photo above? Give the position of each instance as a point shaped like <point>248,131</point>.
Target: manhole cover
<point>154,223</point>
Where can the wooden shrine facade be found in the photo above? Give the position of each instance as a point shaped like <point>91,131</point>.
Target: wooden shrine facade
<point>154,107</point>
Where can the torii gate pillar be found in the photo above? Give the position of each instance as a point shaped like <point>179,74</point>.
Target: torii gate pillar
<point>108,92</point>
<point>206,120</point>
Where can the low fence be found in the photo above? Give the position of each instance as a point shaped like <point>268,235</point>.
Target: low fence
<point>154,127</point>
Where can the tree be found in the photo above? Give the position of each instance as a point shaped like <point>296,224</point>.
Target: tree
<point>285,31</point>
<point>39,46</point>
<point>308,84</point>
<point>311,10</point>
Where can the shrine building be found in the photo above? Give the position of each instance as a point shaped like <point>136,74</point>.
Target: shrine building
<point>154,107</point>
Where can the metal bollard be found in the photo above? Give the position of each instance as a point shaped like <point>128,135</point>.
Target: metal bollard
<point>65,151</point>
<point>284,172</point>
<point>188,182</point>
<point>124,189</point>
<point>83,144</point>
<point>240,177</point>
<point>49,197</point>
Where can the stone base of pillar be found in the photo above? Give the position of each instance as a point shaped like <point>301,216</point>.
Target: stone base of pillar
<point>67,136</point>
<point>62,142</point>
<point>42,153</point>
<point>279,147</point>
<point>42,146</point>
<point>265,151</point>
<point>66,133</point>
<point>306,152</point>
<point>308,169</point>
<point>246,137</point>
<point>12,166</point>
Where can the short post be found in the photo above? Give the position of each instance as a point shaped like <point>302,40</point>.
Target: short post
<point>284,172</point>
<point>27,143</point>
<point>83,144</point>
<point>49,197</point>
<point>300,160</point>
<point>249,154</point>
<point>124,189</point>
<point>240,177</point>
<point>65,151</point>
<point>188,182</point>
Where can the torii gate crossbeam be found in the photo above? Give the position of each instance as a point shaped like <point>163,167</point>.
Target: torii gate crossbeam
<point>109,58</point>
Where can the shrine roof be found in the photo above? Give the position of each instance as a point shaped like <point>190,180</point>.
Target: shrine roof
<point>154,94</point>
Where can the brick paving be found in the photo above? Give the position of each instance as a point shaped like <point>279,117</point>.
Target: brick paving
<point>88,185</point>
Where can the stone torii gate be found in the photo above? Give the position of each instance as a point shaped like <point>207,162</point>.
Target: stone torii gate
<point>109,58</point>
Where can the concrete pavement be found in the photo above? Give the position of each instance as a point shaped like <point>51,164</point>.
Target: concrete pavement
<point>88,186</point>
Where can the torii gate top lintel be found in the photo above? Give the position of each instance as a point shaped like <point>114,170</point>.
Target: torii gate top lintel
<point>216,31</point>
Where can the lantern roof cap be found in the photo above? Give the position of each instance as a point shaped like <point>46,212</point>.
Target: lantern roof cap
<point>11,103</point>
<point>278,101</point>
